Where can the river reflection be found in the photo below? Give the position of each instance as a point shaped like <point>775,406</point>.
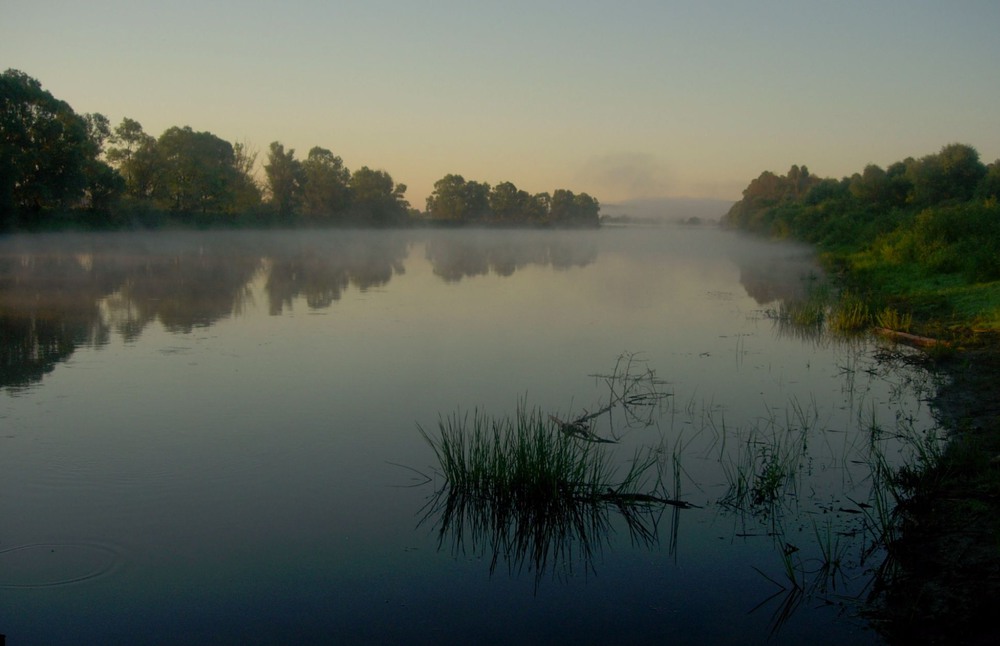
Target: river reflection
<point>207,428</point>
<point>58,292</point>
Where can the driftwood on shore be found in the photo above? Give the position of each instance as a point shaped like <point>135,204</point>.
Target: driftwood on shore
<point>910,339</point>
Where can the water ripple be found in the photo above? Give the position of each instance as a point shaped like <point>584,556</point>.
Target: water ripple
<point>45,565</point>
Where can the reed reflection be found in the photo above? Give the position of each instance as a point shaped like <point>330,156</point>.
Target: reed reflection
<point>549,536</point>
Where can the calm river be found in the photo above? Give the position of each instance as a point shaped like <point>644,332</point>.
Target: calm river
<point>212,438</point>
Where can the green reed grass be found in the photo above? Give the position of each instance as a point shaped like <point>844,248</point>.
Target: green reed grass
<point>524,491</point>
<point>917,455</point>
<point>764,467</point>
<point>527,459</point>
<point>849,315</point>
<point>892,319</point>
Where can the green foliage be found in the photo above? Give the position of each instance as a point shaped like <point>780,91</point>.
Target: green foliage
<point>574,210</point>
<point>892,319</point>
<point>952,174</point>
<point>767,192</point>
<point>55,168</point>
<point>49,155</point>
<point>989,188</point>
<point>376,199</point>
<point>458,201</point>
<point>325,191</point>
<point>509,204</point>
<point>762,471</point>
<point>135,155</point>
<point>197,171</point>
<point>284,178</point>
<point>849,315</point>
<point>526,460</point>
<point>898,232</point>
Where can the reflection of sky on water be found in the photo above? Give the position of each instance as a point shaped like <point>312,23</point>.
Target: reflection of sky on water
<point>231,441</point>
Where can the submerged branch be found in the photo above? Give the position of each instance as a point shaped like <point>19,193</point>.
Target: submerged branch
<point>642,498</point>
<point>578,428</point>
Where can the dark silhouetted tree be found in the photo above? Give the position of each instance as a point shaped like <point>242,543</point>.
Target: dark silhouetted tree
<point>135,155</point>
<point>284,180</point>
<point>952,174</point>
<point>376,199</point>
<point>45,150</point>
<point>199,175</point>
<point>325,191</point>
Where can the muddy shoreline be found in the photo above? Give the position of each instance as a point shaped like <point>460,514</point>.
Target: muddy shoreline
<point>942,583</point>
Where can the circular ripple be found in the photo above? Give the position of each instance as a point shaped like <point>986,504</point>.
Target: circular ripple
<point>42,565</point>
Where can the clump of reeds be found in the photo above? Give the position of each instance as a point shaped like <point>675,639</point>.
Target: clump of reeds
<point>532,490</point>
<point>528,459</point>
<point>849,315</point>
<point>891,319</point>
<point>807,313</point>
<point>763,469</point>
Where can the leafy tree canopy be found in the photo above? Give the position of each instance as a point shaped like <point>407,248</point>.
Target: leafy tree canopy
<point>53,161</point>
<point>48,153</point>
<point>457,200</point>
<point>938,213</point>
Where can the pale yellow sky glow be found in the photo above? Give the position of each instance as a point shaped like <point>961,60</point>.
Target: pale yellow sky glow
<point>618,99</point>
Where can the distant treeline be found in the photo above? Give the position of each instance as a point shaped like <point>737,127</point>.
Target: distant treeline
<point>938,214</point>
<point>59,168</point>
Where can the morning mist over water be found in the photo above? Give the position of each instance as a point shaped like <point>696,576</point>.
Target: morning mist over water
<point>214,437</point>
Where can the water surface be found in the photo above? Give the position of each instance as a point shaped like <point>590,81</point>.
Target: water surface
<point>209,437</point>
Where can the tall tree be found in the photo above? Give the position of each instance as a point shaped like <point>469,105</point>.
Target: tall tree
<point>44,149</point>
<point>135,155</point>
<point>952,174</point>
<point>246,192</point>
<point>576,210</point>
<point>284,179</point>
<point>509,204</point>
<point>447,202</point>
<point>587,211</point>
<point>325,190</point>
<point>376,198</point>
<point>989,186</point>
<point>871,186</point>
<point>199,175</point>
<point>104,184</point>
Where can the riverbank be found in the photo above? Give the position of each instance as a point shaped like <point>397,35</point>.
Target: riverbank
<point>914,249</point>
<point>942,583</point>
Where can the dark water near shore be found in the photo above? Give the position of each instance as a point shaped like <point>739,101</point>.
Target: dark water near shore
<point>209,437</point>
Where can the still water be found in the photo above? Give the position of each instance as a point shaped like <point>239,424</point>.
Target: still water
<point>213,437</point>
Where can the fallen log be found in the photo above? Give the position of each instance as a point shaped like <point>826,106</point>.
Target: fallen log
<point>910,339</point>
<point>638,498</point>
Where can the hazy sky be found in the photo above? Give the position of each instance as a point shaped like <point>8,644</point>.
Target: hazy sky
<point>620,98</point>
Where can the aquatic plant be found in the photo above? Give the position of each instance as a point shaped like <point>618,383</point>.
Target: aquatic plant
<point>849,315</point>
<point>832,555</point>
<point>530,490</point>
<point>534,458</point>
<point>635,395</point>
<point>767,460</point>
<point>891,319</point>
<point>538,491</point>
